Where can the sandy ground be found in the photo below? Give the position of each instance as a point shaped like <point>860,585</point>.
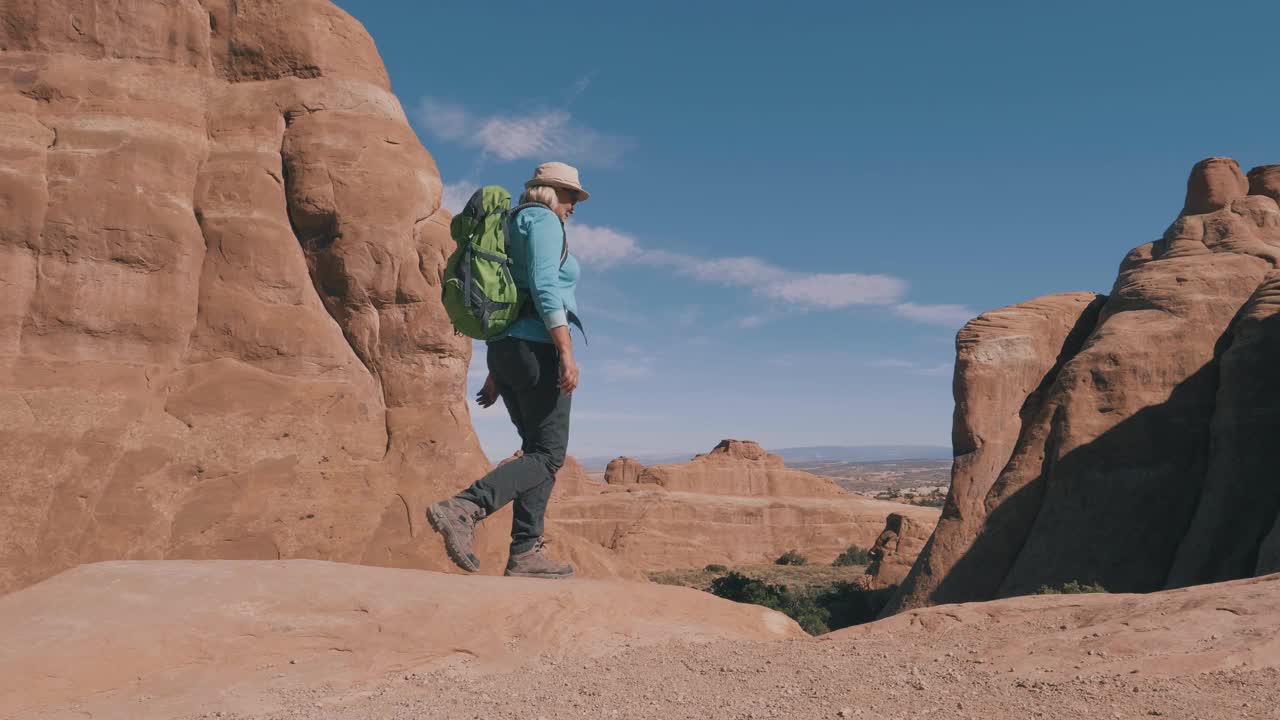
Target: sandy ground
<point>797,679</point>
<point>304,640</point>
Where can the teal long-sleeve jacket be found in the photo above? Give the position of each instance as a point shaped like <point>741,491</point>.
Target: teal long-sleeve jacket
<point>536,243</point>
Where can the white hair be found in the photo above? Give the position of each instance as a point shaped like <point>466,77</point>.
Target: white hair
<point>544,194</point>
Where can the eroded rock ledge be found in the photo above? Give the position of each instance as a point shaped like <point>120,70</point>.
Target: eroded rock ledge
<point>1124,440</point>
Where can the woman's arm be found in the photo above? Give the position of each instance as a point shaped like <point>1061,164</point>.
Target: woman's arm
<point>568,366</point>
<point>545,243</point>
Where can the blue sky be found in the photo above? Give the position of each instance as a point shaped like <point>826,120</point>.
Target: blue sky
<point>796,205</point>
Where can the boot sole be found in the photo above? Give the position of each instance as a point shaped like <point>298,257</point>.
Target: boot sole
<point>440,525</point>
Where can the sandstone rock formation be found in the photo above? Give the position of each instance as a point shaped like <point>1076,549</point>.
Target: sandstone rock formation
<point>184,634</point>
<point>654,529</point>
<point>220,330</point>
<point>739,467</point>
<point>734,505</point>
<point>573,480</point>
<point>1124,440</point>
<point>623,471</point>
<point>896,550</point>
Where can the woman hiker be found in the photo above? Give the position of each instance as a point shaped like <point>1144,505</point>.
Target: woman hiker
<point>531,367</point>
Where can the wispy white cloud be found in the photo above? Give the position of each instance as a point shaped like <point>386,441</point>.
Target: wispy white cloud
<point>812,290</point>
<point>606,247</point>
<point>730,271</point>
<point>892,363</point>
<point>601,246</point>
<point>837,290</point>
<point>939,370</point>
<point>910,366</point>
<point>536,135</point>
<point>628,369</point>
<point>456,195</point>
<point>751,321</point>
<point>445,120</point>
<point>951,316</point>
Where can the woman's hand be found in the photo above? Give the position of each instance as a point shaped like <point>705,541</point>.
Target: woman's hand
<point>568,373</point>
<point>568,366</point>
<point>488,394</point>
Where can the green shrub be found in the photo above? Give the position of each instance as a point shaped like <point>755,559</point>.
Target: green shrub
<point>799,606</point>
<point>716,568</point>
<point>1075,587</point>
<point>791,557</point>
<point>849,604</point>
<point>817,611</point>
<point>932,500</point>
<point>853,556</point>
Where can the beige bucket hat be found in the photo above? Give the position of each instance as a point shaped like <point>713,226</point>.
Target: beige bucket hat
<point>559,175</point>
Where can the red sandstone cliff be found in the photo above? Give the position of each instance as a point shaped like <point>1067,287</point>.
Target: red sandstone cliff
<point>1125,440</point>
<point>220,332</point>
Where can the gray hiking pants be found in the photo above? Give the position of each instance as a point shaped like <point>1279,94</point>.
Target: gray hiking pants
<point>527,374</point>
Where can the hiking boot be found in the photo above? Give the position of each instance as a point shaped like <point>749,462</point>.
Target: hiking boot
<point>456,519</point>
<point>534,563</point>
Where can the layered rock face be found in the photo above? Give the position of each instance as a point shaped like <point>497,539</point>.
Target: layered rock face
<point>1124,440</point>
<point>896,550</point>
<point>220,333</point>
<point>734,505</point>
<point>655,529</point>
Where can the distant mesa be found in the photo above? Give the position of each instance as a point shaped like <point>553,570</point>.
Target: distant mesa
<point>803,455</point>
<point>736,504</point>
<point>738,467</point>
<point>741,450</point>
<point>1124,440</point>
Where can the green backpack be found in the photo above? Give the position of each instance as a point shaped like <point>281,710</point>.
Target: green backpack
<point>479,293</point>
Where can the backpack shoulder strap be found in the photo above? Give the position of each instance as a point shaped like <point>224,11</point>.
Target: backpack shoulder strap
<point>511,216</point>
